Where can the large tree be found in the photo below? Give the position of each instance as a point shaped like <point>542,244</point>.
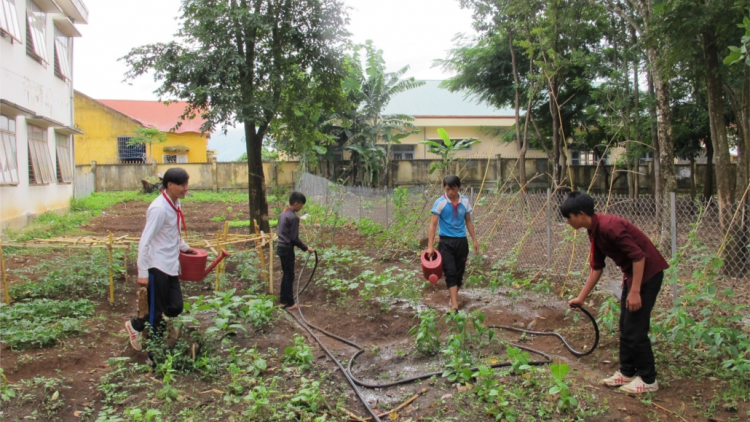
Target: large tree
<point>234,60</point>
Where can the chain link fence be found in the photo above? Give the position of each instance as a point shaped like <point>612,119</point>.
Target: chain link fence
<point>525,231</point>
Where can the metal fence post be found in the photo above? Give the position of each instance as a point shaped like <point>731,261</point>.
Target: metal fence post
<point>472,195</point>
<point>673,229</point>
<point>549,226</point>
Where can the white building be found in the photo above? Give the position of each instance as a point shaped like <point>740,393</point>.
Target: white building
<point>36,107</point>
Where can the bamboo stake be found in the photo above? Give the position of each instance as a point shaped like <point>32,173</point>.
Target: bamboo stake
<point>218,247</point>
<point>111,280</point>
<point>486,169</point>
<point>4,277</point>
<point>270,265</point>
<point>226,233</point>
<point>125,261</point>
<point>259,248</point>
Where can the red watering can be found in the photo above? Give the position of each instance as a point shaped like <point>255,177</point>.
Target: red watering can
<point>193,266</point>
<point>432,266</point>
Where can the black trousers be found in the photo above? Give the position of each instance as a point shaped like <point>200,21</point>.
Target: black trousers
<point>636,355</point>
<point>286,256</point>
<point>164,298</point>
<point>455,251</point>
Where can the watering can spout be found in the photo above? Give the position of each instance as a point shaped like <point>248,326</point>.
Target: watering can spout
<point>224,254</point>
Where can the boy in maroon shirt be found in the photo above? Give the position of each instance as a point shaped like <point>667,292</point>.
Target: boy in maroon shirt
<point>643,271</point>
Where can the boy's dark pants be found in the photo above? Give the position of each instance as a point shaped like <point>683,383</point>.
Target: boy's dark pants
<point>636,356</point>
<point>455,251</point>
<point>286,255</point>
<point>164,298</point>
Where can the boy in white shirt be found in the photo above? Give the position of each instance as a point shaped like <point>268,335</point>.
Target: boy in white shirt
<point>159,256</point>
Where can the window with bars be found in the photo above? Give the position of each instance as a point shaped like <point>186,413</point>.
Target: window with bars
<point>9,19</point>
<point>174,158</point>
<point>62,56</point>
<point>36,32</point>
<point>41,170</point>
<point>402,152</point>
<point>64,164</point>
<point>8,154</point>
<point>130,153</point>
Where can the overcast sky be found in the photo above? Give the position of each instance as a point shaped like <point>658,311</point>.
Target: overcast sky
<point>410,32</point>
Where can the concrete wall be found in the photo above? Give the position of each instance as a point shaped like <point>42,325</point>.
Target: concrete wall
<point>499,172</point>
<point>33,86</point>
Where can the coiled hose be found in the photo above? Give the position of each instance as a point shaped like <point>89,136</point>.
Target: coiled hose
<point>354,381</point>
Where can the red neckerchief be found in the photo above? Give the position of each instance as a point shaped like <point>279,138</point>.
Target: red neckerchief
<point>179,214</point>
<point>455,207</point>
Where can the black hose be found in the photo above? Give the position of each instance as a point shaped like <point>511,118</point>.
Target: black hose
<point>354,381</point>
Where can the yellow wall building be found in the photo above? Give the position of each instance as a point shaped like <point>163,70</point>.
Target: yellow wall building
<point>433,107</point>
<point>108,125</point>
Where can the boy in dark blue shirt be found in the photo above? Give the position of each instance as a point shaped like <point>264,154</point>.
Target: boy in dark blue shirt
<point>288,234</point>
<point>452,212</point>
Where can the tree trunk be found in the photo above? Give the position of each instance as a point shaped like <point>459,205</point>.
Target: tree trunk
<point>636,122</point>
<point>520,142</point>
<point>718,125</point>
<point>734,262</point>
<point>654,140</point>
<point>256,179</point>
<point>708,177</point>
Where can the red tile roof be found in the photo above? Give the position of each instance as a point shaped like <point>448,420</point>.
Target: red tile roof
<point>157,114</point>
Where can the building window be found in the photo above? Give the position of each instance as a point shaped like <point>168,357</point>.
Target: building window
<point>9,19</point>
<point>36,32</point>
<point>174,158</point>
<point>582,158</point>
<point>41,171</point>
<point>647,157</point>
<point>64,164</point>
<point>8,155</point>
<point>402,152</point>
<point>62,56</point>
<point>130,153</point>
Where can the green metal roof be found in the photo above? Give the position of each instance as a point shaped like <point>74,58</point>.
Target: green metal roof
<point>431,100</point>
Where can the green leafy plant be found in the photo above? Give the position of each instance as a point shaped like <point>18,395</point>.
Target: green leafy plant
<point>137,415</point>
<point>426,334</point>
<point>567,401</point>
<point>7,393</point>
<point>41,322</point>
<point>299,354</point>
<point>308,396</point>
<point>259,406</point>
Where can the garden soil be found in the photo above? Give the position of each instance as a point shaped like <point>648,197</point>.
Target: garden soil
<point>82,361</point>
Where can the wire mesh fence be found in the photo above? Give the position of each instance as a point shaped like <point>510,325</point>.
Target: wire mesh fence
<point>525,231</point>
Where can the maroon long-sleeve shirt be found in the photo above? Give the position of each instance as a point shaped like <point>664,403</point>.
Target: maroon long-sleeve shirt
<point>624,243</point>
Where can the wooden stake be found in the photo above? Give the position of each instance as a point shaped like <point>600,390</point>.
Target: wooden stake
<point>226,239</point>
<point>111,280</point>
<point>4,277</point>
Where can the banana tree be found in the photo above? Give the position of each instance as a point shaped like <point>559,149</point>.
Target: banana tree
<point>447,150</point>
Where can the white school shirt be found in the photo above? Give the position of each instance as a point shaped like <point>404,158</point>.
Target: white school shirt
<point>161,242</point>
